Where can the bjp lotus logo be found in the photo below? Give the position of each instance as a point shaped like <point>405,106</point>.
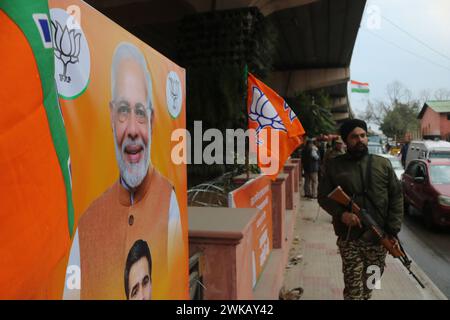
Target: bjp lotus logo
<point>173,94</point>
<point>173,88</point>
<point>66,47</point>
<point>263,112</point>
<point>72,57</point>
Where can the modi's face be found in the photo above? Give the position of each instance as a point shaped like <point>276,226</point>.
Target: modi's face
<point>130,117</point>
<point>140,285</point>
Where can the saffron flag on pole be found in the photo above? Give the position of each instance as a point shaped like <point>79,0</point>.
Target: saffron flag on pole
<point>278,130</point>
<point>360,87</point>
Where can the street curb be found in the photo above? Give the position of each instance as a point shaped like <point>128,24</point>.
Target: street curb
<point>431,291</point>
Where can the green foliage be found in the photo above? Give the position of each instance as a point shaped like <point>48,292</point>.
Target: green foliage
<point>216,96</point>
<point>401,119</point>
<point>314,112</point>
<point>216,48</point>
<point>398,114</point>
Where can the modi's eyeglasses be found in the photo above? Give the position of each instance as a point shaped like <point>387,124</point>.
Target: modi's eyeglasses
<point>122,110</point>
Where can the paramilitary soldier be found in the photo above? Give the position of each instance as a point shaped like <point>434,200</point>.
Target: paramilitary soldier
<point>371,182</point>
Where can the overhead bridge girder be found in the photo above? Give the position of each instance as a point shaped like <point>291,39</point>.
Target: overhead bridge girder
<point>290,83</point>
<point>266,7</point>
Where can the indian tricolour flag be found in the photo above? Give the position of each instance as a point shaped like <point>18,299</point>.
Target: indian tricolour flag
<point>360,87</point>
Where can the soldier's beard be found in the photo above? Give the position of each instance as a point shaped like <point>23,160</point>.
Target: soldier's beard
<point>358,151</point>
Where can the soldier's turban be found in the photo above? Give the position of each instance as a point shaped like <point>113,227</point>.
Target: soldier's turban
<point>351,124</point>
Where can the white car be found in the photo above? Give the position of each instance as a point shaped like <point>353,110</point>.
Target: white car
<point>396,164</point>
<point>375,148</point>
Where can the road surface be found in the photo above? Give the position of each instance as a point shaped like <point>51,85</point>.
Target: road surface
<point>429,249</point>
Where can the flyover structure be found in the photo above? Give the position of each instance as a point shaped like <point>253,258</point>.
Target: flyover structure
<point>315,45</point>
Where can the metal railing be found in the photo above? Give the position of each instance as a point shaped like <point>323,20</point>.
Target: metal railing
<point>196,266</point>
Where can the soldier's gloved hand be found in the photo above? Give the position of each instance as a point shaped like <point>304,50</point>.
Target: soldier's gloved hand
<point>351,219</point>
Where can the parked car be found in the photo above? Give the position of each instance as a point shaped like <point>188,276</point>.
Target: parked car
<point>427,149</point>
<point>396,164</point>
<point>426,187</point>
<point>375,148</point>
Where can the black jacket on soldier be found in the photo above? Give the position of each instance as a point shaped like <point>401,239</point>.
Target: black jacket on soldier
<point>383,197</point>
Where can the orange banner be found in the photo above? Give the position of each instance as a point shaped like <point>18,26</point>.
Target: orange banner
<point>36,209</point>
<point>257,193</point>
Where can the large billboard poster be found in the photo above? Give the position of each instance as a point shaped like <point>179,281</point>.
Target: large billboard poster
<point>110,220</point>
<point>120,101</point>
<point>257,193</point>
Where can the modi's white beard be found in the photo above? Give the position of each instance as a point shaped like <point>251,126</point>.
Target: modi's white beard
<point>132,173</point>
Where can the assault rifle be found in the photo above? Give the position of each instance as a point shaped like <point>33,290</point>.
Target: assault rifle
<point>393,246</point>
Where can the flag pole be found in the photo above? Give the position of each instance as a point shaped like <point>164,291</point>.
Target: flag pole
<point>247,146</point>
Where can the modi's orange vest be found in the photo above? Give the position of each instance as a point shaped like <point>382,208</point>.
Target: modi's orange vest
<point>109,228</point>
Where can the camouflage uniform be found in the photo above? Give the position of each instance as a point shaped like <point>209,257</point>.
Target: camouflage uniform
<point>383,199</point>
<point>357,256</point>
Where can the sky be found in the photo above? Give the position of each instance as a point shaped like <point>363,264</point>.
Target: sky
<point>383,53</point>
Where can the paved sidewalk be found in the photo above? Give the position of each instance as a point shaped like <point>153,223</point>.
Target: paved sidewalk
<point>315,264</point>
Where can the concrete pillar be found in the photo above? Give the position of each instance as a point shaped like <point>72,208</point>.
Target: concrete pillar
<point>278,210</point>
<point>225,236</point>
<point>289,169</point>
<point>296,162</point>
<point>300,172</point>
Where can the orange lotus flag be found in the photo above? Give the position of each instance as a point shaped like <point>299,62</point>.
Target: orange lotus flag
<point>278,130</point>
